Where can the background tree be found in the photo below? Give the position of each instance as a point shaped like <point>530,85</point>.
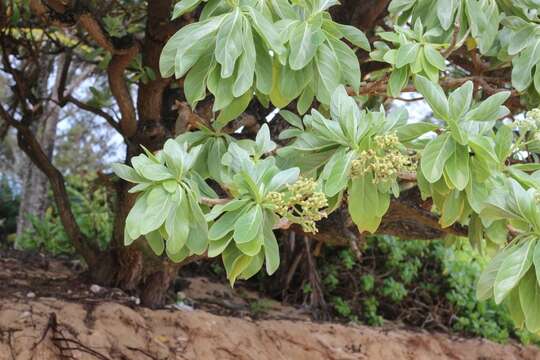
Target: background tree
<point>220,67</point>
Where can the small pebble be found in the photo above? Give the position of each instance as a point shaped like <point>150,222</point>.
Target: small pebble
<point>96,289</point>
<point>135,299</point>
<point>31,295</point>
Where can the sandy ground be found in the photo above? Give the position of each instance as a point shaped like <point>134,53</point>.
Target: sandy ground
<point>45,315</point>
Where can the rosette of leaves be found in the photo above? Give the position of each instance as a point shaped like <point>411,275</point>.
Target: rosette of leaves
<point>277,50</point>
<point>337,143</point>
<point>458,164</point>
<point>522,42</point>
<point>242,229</point>
<point>167,211</point>
<point>213,145</point>
<point>413,53</point>
<point>512,276</point>
<point>317,60</point>
<point>479,18</point>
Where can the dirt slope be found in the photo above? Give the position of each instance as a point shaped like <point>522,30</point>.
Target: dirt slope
<point>46,314</point>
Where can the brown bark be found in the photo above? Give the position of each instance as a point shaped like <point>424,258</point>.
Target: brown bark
<point>139,267</point>
<point>34,197</point>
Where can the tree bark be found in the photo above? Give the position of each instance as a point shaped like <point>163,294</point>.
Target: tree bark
<point>138,267</point>
<point>34,197</point>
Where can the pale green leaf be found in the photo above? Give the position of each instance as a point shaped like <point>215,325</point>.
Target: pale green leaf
<point>247,226</point>
<point>435,155</point>
<point>512,269</point>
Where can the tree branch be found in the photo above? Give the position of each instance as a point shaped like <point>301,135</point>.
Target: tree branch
<point>121,57</point>
<point>97,111</point>
<point>29,144</point>
<point>120,90</point>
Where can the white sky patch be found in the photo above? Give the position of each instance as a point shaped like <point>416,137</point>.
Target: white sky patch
<point>272,115</point>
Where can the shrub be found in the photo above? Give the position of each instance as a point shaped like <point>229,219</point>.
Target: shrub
<point>92,213</point>
<point>419,283</point>
<point>9,207</point>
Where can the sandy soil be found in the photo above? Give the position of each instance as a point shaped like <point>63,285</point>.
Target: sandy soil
<point>46,314</point>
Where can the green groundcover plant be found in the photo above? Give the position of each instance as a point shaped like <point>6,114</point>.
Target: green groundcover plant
<point>478,170</point>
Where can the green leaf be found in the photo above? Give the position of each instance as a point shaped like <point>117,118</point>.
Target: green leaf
<point>195,82</point>
<point>154,172</point>
<point>197,241</point>
<point>177,225</point>
<point>521,202</point>
<point>460,100</point>
<point>476,231</point>
<point>233,110</point>
<point>512,269</point>
<point>184,6</point>
<point>398,6</point>
<point>523,64</point>
<point>127,173</point>
<point>364,204</point>
<point>340,172</point>
<point>304,40</point>
<point>452,208</point>
<point>434,96</point>
<point>435,155</point>
<point>190,52</point>
<point>536,260</point>
<point>457,167</point>
<point>406,54</point>
<point>217,247</point>
<point>180,256</point>
<point>188,38</point>
<point>446,10</point>
<point>412,131</point>
<point>224,224</point>
<point>248,225</point>
<point>244,79</point>
<point>397,81</point>
<point>292,118</point>
<point>355,36</point>
<point>175,156</point>
<point>282,178</point>
<point>158,205</point>
<point>513,305</point>
<point>239,265</point>
<point>254,267</point>
<point>327,70</point>
<point>263,67</point>
<point>232,205</point>
<point>503,142</point>
<point>134,220</point>
<point>484,288</point>
<point>348,61</point>
<point>345,110</point>
<point>229,42</point>
<point>263,142</point>
<point>266,31</point>
<point>252,247</point>
<point>520,39</point>
<point>489,109</point>
<point>434,58</point>
<point>484,150</point>
<point>213,160</point>
<point>155,241</point>
<point>306,99</point>
<point>271,247</point>
<point>529,296</point>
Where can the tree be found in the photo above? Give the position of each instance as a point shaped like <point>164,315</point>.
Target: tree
<point>213,177</point>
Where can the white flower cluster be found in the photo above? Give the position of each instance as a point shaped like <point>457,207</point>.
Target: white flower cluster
<point>531,123</point>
